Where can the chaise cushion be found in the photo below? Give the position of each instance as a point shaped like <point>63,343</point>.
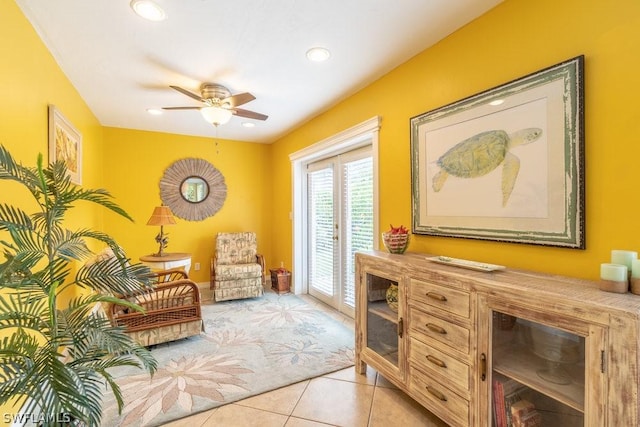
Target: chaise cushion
<point>236,248</point>
<point>172,311</point>
<point>237,271</point>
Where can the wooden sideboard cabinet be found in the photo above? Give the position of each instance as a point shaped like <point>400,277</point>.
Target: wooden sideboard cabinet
<point>487,348</point>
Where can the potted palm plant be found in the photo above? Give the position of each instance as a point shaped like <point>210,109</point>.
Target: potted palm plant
<point>56,345</point>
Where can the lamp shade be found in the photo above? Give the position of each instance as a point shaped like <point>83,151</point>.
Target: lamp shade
<point>161,216</point>
<point>216,115</point>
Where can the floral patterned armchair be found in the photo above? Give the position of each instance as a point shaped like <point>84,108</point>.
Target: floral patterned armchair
<point>237,270</point>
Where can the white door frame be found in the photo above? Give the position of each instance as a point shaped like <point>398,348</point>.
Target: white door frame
<point>357,136</point>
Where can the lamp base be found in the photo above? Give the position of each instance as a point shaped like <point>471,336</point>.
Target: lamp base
<point>159,255</point>
<point>162,241</point>
<point>160,252</point>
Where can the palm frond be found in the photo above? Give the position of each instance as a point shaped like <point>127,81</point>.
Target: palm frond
<point>16,361</point>
<point>90,334</point>
<point>55,271</point>
<point>71,245</point>
<point>99,196</point>
<point>15,272</point>
<point>65,193</point>
<point>113,276</point>
<point>14,171</point>
<point>29,242</point>
<point>14,218</point>
<point>115,388</point>
<point>54,387</point>
<point>24,258</point>
<point>24,311</point>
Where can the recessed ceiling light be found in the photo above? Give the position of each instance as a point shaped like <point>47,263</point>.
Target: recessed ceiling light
<point>154,111</point>
<point>248,124</point>
<point>318,54</point>
<point>496,102</point>
<point>147,9</point>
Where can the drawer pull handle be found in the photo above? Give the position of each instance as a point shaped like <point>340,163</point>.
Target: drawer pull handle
<point>437,393</point>
<point>437,296</point>
<point>436,328</point>
<point>436,361</point>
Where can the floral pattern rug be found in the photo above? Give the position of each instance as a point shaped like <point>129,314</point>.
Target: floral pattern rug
<point>249,347</point>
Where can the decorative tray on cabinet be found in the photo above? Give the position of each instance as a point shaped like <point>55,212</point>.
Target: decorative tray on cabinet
<point>465,263</point>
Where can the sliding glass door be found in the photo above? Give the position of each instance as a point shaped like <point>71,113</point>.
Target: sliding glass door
<point>340,222</point>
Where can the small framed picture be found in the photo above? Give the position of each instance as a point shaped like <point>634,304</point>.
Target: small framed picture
<point>65,143</point>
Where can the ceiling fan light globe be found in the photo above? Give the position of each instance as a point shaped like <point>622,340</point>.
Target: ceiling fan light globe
<point>216,115</point>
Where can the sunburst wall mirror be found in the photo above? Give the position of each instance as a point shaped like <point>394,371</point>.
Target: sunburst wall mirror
<point>193,188</point>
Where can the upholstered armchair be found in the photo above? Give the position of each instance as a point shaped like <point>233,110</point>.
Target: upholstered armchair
<point>237,270</point>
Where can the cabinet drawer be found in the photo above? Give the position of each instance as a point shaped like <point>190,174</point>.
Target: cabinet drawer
<point>451,300</point>
<point>446,404</point>
<point>432,327</point>
<point>439,364</point>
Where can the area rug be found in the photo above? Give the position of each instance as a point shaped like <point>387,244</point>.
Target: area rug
<point>248,347</point>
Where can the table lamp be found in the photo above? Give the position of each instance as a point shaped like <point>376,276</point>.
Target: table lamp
<point>161,216</point>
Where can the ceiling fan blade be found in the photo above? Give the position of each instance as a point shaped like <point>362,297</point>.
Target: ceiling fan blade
<point>249,114</point>
<point>188,93</point>
<point>181,108</point>
<point>239,99</point>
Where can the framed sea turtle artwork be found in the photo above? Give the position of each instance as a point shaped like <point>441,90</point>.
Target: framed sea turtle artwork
<point>506,164</point>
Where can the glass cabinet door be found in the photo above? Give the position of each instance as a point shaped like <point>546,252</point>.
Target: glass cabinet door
<point>538,374</point>
<point>384,329</point>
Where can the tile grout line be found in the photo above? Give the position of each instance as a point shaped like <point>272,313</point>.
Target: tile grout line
<point>373,398</point>
<point>298,401</point>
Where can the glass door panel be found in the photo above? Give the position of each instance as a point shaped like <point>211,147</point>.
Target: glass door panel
<point>357,222</point>
<point>538,374</point>
<point>322,234</point>
<point>382,319</point>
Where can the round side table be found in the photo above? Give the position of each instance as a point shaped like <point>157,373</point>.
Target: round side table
<point>167,261</point>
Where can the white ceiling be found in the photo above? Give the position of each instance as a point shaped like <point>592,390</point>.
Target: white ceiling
<point>121,64</point>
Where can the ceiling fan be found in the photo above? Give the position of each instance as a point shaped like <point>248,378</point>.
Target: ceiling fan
<point>219,104</point>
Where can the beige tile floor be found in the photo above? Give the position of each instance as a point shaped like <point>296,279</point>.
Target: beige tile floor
<point>343,398</point>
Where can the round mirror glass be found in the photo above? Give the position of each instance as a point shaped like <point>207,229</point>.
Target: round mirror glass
<point>194,189</point>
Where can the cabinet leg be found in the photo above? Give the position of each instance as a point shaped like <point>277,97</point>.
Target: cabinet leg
<point>361,367</point>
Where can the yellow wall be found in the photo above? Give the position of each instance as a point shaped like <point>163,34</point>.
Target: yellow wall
<point>514,39</point>
<point>135,162</point>
<point>30,79</point>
